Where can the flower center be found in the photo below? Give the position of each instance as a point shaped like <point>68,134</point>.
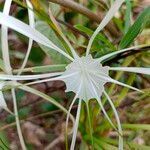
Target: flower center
<point>85,77</point>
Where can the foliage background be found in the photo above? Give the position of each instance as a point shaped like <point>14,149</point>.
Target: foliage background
<point>43,122</point>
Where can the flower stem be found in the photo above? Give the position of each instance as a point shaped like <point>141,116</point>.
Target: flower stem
<point>89,120</point>
<point>17,120</point>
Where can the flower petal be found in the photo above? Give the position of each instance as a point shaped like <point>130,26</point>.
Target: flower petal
<point>26,30</point>
<point>118,121</point>
<point>8,69</point>
<point>32,24</point>
<point>70,107</point>
<point>75,128</point>
<point>62,77</point>
<point>118,52</point>
<point>132,69</point>
<point>123,84</point>
<point>69,110</point>
<point>100,103</point>
<point>28,77</point>
<point>109,79</point>
<point>114,8</point>
<point>4,39</point>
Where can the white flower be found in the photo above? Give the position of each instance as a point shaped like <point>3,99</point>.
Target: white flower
<point>87,72</point>
<point>84,76</point>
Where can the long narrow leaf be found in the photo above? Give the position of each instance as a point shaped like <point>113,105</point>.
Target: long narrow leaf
<point>127,15</point>
<point>43,69</point>
<point>135,29</point>
<point>136,126</point>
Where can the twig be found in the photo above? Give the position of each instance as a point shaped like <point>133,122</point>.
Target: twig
<point>85,11</point>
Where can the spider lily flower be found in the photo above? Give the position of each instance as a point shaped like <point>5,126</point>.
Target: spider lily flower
<point>85,76</point>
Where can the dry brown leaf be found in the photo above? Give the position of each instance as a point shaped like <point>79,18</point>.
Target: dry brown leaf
<point>33,133</point>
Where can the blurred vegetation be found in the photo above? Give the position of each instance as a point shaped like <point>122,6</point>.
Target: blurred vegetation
<point>42,122</point>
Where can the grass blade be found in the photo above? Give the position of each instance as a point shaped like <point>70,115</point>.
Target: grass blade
<point>136,28</point>
<point>127,16</point>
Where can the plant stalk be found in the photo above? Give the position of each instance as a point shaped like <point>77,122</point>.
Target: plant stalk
<point>90,126</point>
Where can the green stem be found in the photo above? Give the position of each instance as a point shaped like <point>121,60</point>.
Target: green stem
<point>17,120</point>
<point>89,120</point>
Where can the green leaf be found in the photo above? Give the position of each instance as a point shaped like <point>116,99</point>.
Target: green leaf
<point>119,23</point>
<point>4,144</point>
<point>39,57</point>
<point>49,68</point>
<point>42,69</point>
<point>56,57</point>
<point>105,145</point>
<point>127,16</point>
<point>136,28</point>
<point>135,146</point>
<point>99,37</point>
<point>136,126</point>
<point>125,90</point>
